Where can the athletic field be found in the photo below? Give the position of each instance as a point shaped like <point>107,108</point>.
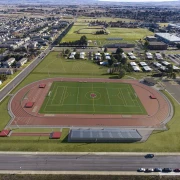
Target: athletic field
<point>92,98</point>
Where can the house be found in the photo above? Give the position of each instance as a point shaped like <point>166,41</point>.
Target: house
<point>71,57</point>
<point>147,68</point>
<point>81,56</point>
<point>165,63</point>
<point>21,62</point>
<point>124,55</point>
<point>143,64</point>
<point>163,68</point>
<point>133,64</point>
<point>136,68</point>
<point>107,57</point>
<point>130,54</point>
<point>9,62</point>
<point>73,53</point>
<point>175,68</point>
<point>157,64</point>
<point>149,56</point>
<point>158,56</point>
<point>6,71</point>
<point>132,57</point>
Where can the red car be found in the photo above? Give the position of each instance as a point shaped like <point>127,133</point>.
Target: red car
<point>177,170</point>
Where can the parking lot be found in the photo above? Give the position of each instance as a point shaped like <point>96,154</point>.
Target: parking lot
<point>173,87</point>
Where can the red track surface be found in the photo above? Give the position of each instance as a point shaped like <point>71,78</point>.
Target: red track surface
<point>157,109</point>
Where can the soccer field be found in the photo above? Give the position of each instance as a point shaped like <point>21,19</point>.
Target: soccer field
<point>92,98</point>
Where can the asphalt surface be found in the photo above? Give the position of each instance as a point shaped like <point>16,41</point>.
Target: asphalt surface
<point>22,75</point>
<point>85,162</point>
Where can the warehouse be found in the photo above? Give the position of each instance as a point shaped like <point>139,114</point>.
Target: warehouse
<point>168,38</point>
<point>157,46</point>
<point>104,135</point>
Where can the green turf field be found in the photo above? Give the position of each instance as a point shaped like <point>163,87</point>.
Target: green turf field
<point>129,35</point>
<point>92,98</point>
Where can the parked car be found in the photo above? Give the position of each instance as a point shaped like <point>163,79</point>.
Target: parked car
<point>167,170</point>
<point>149,170</point>
<point>157,170</point>
<point>149,156</point>
<point>176,170</point>
<point>141,170</point>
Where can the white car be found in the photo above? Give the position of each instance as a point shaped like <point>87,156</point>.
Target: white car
<point>141,170</point>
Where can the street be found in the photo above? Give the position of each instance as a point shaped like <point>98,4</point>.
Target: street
<point>85,162</point>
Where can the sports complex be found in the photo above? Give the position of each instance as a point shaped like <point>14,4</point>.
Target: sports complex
<point>82,102</point>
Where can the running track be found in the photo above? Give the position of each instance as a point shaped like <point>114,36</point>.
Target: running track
<point>158,109</point>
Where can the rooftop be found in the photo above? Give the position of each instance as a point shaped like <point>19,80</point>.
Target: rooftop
<point>169,37</point>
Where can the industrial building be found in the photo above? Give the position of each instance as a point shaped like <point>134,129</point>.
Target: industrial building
<point>157,46</point>
<point>104,135</point>
<point>168,38</point>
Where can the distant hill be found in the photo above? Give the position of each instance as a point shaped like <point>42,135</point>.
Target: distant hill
<point>100,2</point>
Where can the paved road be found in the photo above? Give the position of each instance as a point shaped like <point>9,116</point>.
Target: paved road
<point>22,75</point>
<point>84,162</point>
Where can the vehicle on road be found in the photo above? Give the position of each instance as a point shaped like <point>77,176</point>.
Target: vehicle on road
<point>177,170</point>
<point>141,170</point>
<point>167,170</point>
<point>157,170</point>
<point>149,155</point>
<point>149,170</point>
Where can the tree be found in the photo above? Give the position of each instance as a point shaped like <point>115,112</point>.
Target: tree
<point>77,56</point>
<point>83,40</point>
<point>178,46</point>
<point>122,73</point>
<point>174,75</point>
<point>119,51</point>
<point>146,44</point>
<point>110,62</point>
<point>103,56</point>
<point>105,49</point>
<point>67,51</point>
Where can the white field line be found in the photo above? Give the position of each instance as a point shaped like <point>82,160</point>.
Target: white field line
<point>63,96</point>
<point>77,96</point>
<point>123,97</point>
<point>108,97</point>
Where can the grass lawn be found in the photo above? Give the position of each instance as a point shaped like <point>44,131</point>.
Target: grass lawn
<point>92,98</point>
<point>83,19</point>
<point>89,30</point>
<point>166,141</point>
<point>54,64</point>
<point>128,34</point>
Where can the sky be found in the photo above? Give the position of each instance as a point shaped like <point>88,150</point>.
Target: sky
<point>137,0</point>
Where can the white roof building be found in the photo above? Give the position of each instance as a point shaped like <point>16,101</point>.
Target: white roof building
<point>175,68</point>
<point>143,64</point>
<point>136,68</point>
<point>147,68</point>
<point>71,57</point>
<point>130,54</point>
<point>165,63</point>
<point>73,53</point>
<point>97,54</point>
<point>157,64</point>
<point>133,64</point>
<point>163,68</point>
<point>108,57</point>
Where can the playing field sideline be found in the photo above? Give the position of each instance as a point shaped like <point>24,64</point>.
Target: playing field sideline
<point>92,98</point>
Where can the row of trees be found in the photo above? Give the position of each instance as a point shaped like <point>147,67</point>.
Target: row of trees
<point>3,77</point>
<point>83,41</point>
<point>100,32</point>
<point>118,64</point>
